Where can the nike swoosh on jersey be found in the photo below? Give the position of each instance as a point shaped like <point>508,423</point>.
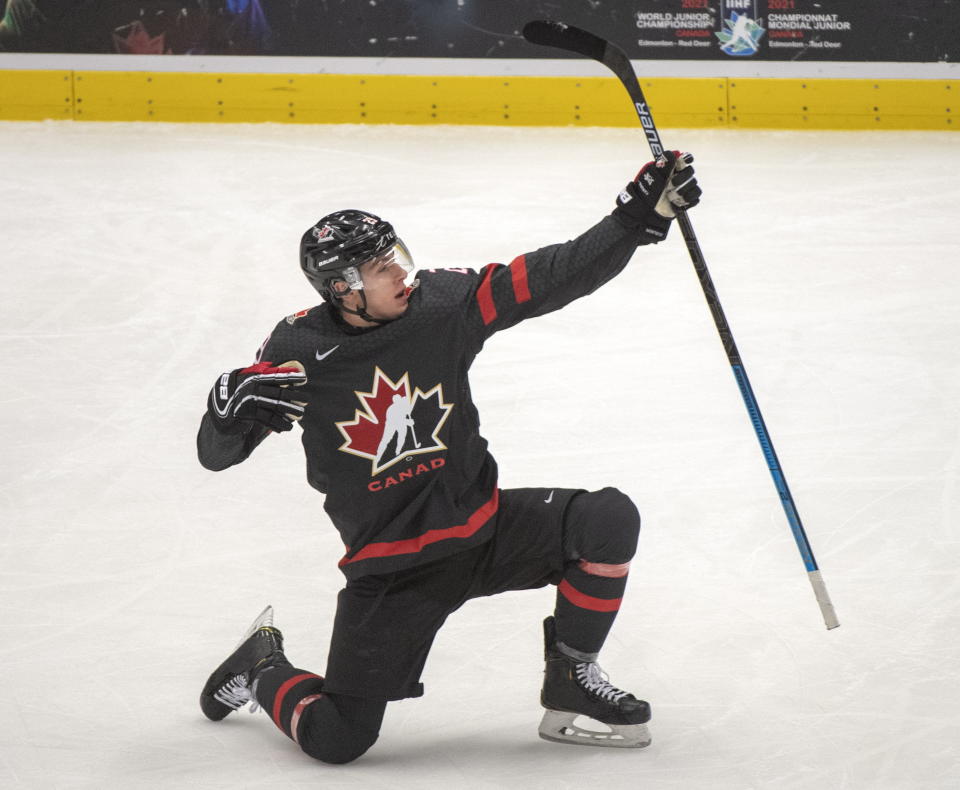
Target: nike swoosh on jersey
<point>326,354</point>
<point>549,498</point>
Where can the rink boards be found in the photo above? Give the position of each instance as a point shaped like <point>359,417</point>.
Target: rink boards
<point>693,102</point>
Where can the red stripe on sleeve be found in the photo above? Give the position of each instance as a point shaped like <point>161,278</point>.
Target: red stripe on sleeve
<point>282,693</point>
<point>488,310</point>
<point>518,270</point>
<point>412,545</point>
<point>578,598</point>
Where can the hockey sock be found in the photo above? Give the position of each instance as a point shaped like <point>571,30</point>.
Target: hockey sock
<point>600,537</point>
<point>333,728</point>
<point>284,692</point>
<point>588,598</point>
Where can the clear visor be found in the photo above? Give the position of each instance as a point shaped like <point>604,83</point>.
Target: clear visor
<point>397,255</point>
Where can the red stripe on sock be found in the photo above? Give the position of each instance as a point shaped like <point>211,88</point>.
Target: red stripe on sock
<point>297,712</point>
<point>488,310</point>
<point>603,569</point>
<point>584,601</point>
<point>521,288</point>
<point>282,693</point>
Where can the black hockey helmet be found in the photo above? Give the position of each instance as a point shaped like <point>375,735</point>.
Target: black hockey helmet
<point>338,244</point>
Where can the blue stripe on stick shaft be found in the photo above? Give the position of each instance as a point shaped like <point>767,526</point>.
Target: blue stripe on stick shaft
<point>773,464</point>
<point>573,39</point>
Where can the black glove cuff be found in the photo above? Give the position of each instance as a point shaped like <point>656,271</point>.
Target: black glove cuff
<point>650,229</point>
<point>229,426</point>
<point>633,211</point>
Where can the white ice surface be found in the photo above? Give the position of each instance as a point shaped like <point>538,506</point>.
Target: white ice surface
<point>138,261</point>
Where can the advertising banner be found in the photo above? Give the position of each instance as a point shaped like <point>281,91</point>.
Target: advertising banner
<point>765,30</point>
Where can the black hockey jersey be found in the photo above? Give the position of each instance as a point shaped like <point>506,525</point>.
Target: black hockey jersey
<point>391,434</point>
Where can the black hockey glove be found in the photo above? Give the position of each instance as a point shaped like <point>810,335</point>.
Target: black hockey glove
<point>647,203</point>
<point>257,394</point>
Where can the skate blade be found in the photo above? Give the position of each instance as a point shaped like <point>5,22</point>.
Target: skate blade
<point>264,619</point>
<point>559,727</point>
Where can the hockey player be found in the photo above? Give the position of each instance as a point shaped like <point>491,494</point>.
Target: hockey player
<point>420,511</point>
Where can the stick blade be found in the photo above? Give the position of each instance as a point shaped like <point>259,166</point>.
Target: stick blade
<point>548,33</point>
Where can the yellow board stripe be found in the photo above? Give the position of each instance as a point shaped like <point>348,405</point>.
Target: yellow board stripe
<point>844,104</point>
<point>505,101</point>
<point>36,95</point>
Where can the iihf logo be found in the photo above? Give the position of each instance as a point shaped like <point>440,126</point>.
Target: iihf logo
<point>395,422</point>
<point>741,34</point>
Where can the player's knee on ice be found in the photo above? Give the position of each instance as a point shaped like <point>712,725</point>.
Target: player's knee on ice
<point>338,750</point>
<point>339,729</point>
<point>601,526</point>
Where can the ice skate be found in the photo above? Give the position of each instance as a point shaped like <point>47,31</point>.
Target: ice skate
<point>229,687</point>
<point>573,688</point>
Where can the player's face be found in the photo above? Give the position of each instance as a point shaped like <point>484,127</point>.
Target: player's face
<point>384,287</point>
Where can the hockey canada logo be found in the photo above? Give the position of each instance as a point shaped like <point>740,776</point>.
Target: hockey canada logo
<point>292,319</point>
<point>395,422</point>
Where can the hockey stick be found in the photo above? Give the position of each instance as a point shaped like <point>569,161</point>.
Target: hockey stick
<point>573,39</point>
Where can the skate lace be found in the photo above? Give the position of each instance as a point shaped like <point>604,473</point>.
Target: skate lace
<point>594,680</point>
<point>235,693</point>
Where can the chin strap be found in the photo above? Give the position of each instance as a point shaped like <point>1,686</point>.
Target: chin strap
<point>362,310</point>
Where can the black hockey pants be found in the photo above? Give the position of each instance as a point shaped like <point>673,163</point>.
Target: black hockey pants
<point>582,542</point>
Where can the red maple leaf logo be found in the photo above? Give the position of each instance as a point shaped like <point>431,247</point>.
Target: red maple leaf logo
<point>139,42</point>
<point>394,422</point>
